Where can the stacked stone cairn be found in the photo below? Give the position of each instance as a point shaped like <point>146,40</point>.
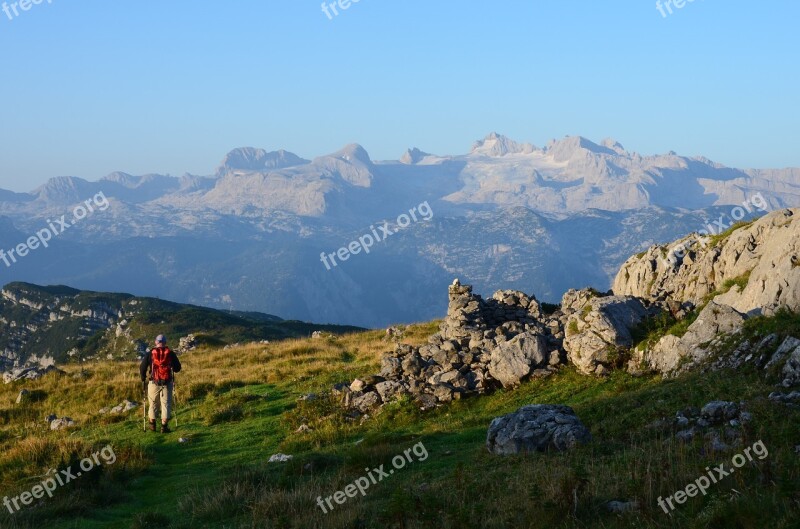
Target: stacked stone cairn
<point>481,345</point>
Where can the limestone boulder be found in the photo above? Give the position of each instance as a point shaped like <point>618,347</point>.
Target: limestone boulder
<point>600,330</point>
<point>537,428</point>
<point>515,359</point>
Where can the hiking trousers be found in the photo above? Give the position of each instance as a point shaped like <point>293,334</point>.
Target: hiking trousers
<point>160,396</point>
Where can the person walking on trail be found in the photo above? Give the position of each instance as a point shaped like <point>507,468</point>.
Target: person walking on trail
<point>161,363</point>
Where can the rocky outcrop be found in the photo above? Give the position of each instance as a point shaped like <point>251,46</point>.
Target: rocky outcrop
<point>481,345</point>
<point>29,373</point>
<point>786,362</point>
<point>673,354</point>
<point>45,310</point>
<point>536,428</point>
<point>598,329</point>
<point>754,269</point>
<point>499,342</point>
<point>187,343</point>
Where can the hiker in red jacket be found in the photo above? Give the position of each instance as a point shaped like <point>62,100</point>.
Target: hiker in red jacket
<point>161,363</point>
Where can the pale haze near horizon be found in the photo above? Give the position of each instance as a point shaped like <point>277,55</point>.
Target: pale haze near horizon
<point>99,87</point>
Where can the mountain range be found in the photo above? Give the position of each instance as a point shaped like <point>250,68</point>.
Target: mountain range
<point>249,235</point>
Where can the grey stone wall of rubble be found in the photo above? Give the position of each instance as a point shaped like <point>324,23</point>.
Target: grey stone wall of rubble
<point>481,345</point>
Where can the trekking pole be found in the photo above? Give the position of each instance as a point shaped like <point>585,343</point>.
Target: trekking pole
<point>175,397</point>
<point>144,406</point>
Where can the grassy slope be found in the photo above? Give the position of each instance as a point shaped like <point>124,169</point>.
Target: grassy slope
<point>237,414</point>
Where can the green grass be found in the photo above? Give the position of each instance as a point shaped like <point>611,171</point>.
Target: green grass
<point>238,413</point>
<point>652,330</point>
<point>715,240</point>
<point>740,282</point>
<point>572,328</point>
<point>784,323</point>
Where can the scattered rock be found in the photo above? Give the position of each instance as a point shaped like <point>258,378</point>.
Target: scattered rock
<point>23,396</point>
<point>366,401</point>
<point>622,507</point>
<point>183,440</point>
<point>686,435</point>
<point>791,367</point>
<point>536,428</point>
<point>187,343</point>
<point>124,407</point>
<point>358,385</point>
<point>716,443</point>
<point>280,458</point>
<point>719,411</point>
<point>29,373</point>
<point>394,332</point>
<point>486,344</point>
<point>62,423</point>
<point>791,399</point>
<point>303,429</point>
<point>786,349</point>
<point>715,419</point>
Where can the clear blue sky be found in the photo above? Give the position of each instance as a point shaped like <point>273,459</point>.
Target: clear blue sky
<point>90,86</point>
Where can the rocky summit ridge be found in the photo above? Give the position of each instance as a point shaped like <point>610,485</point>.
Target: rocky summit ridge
<point>706,288</point>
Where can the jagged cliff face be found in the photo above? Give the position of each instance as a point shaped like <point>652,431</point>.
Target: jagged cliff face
<point>755,269</point>
<point>42,325</point>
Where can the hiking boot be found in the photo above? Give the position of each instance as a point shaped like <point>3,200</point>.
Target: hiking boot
<point>152,426</point>
<point>165,428</point>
